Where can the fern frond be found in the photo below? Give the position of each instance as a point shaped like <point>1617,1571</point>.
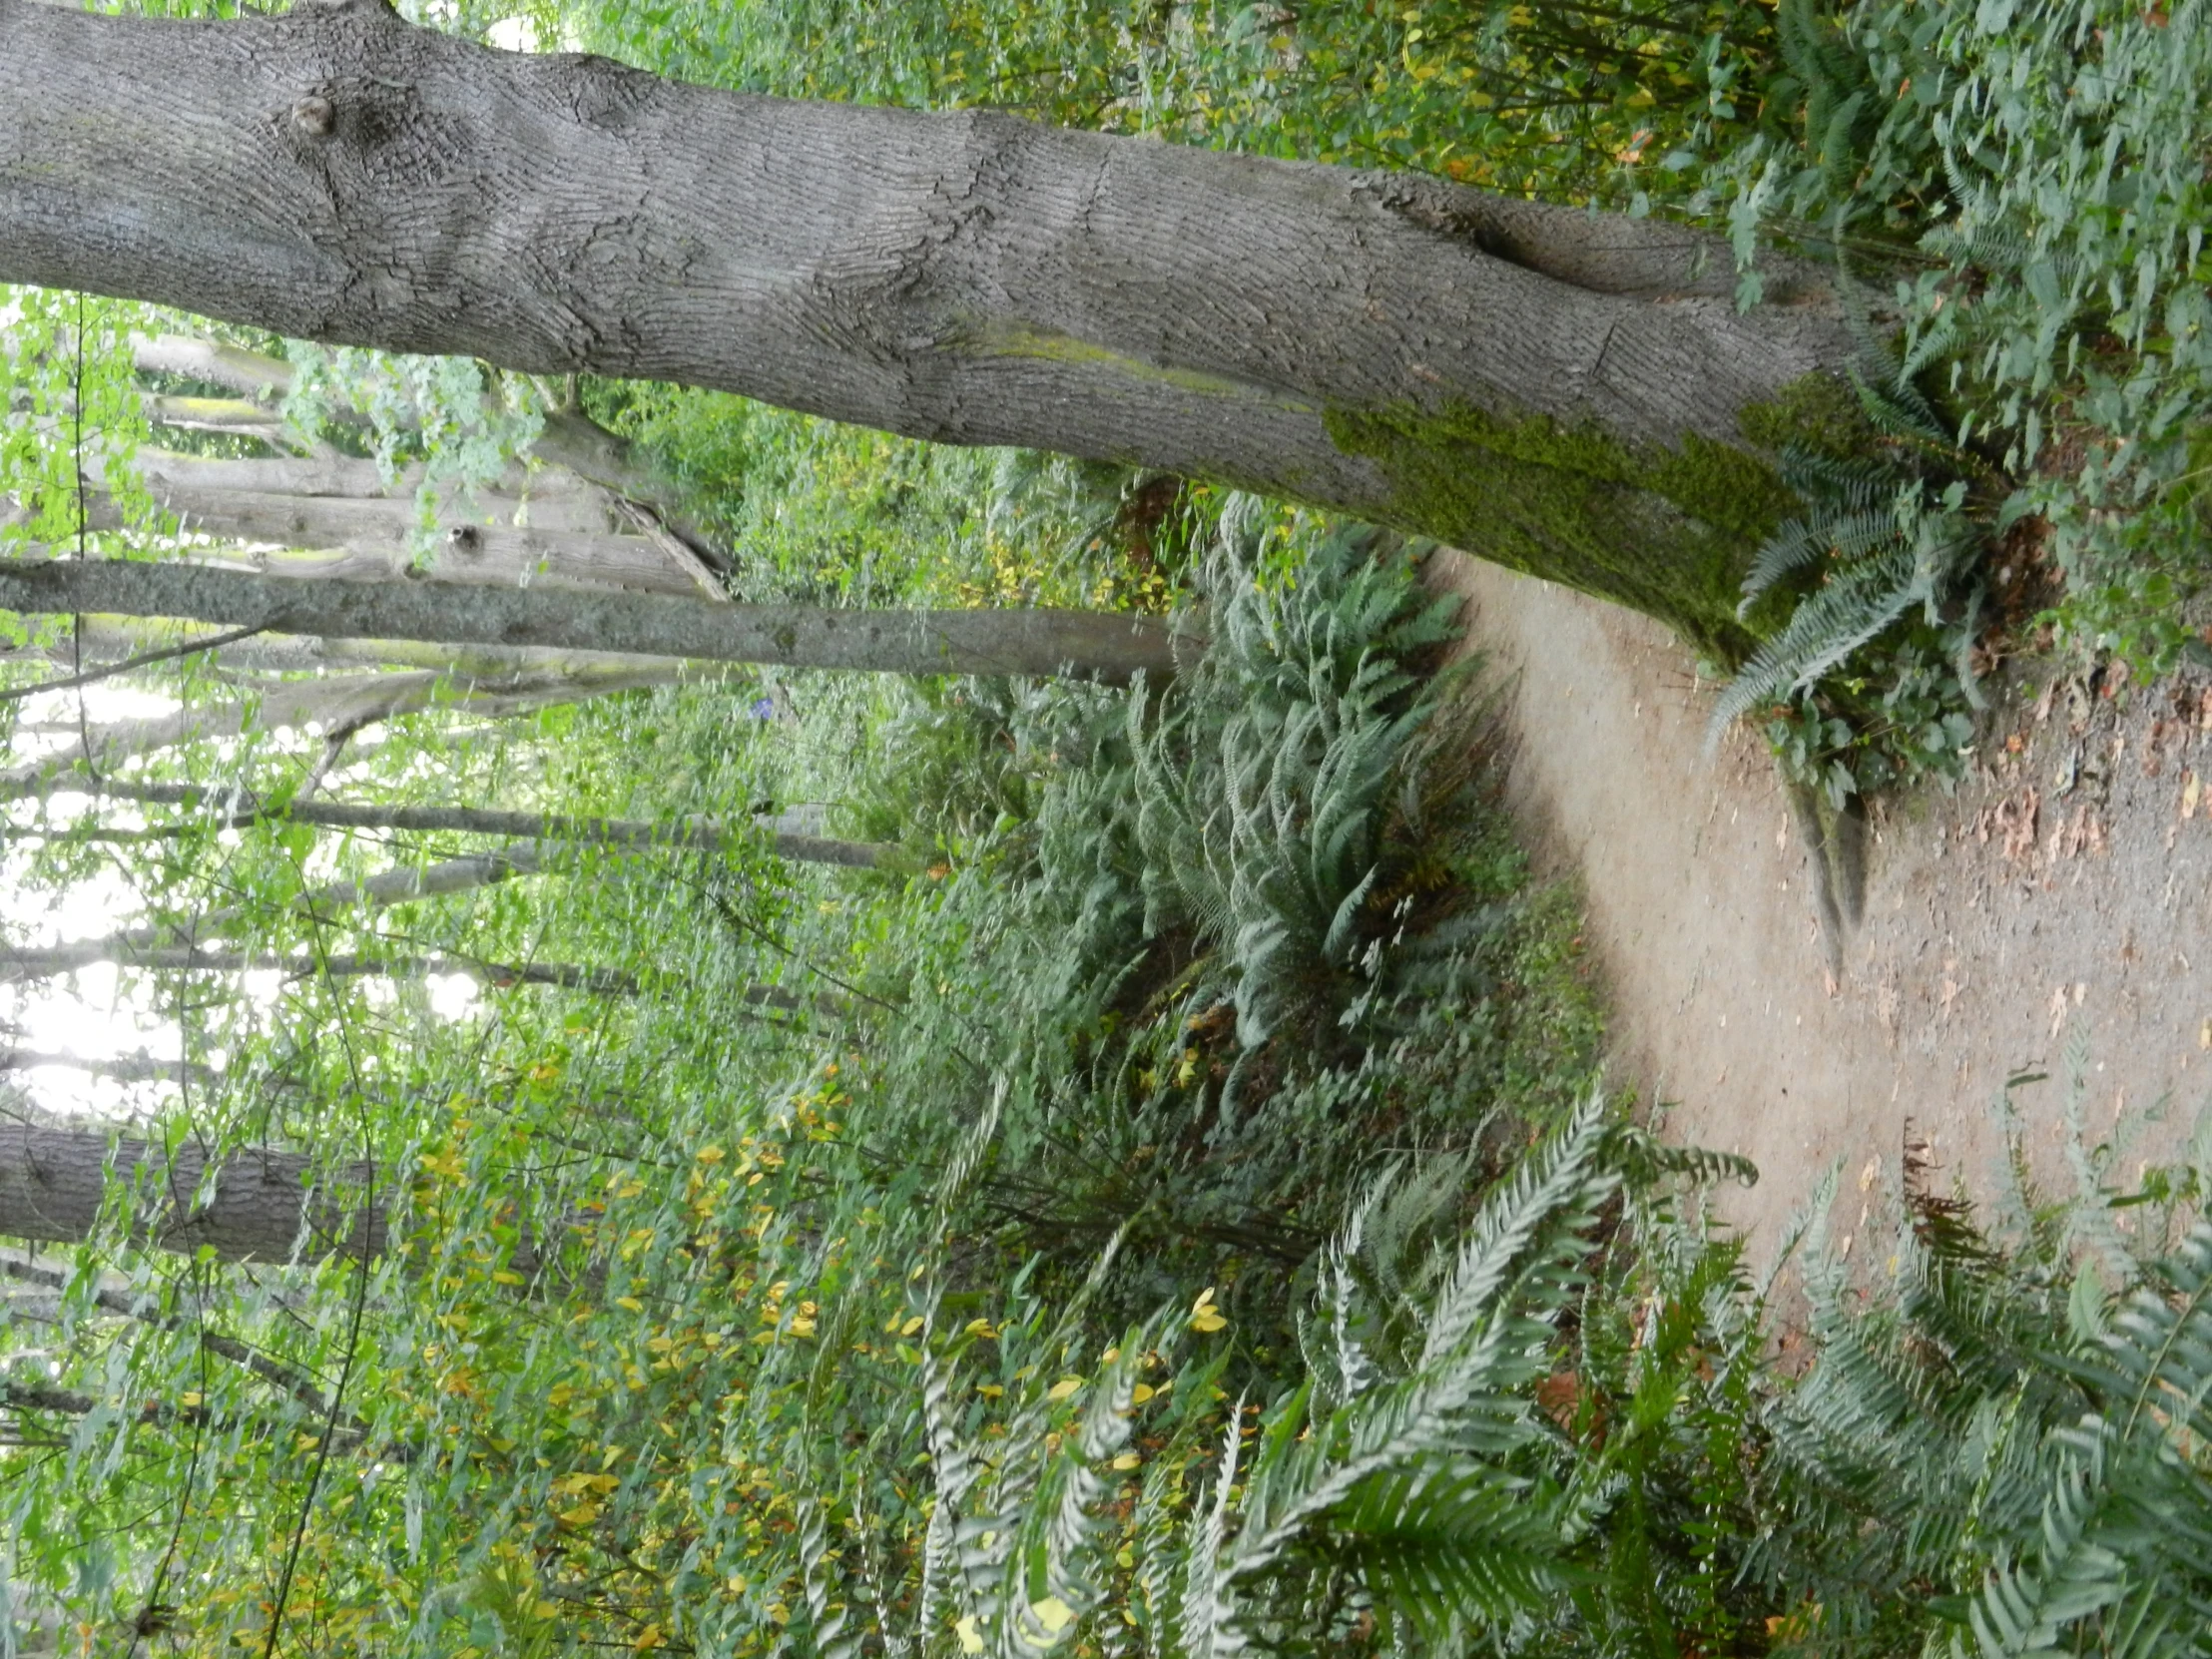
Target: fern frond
<point>1855,606</point>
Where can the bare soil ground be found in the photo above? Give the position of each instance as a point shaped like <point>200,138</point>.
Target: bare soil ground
<point>2064,890</point>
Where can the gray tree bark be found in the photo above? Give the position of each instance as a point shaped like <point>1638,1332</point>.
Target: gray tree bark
<point>1568,392</point>
<point>103,639</point>
<point>20,962</point>
<point>571,439</point>
<point>700,835</point>
<point>1094,644</point>
<point>357,534</point>
<point>260,1205</point>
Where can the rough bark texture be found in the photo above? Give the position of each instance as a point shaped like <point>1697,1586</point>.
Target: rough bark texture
<point>1098,645</point>
<point>54,1184</point>
<point>1530,383</point>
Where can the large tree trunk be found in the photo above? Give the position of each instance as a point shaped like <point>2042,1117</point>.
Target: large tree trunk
<point>334,518</point>
<point>1571,393</point>
<point>1094,644</point>
<point>570,440</point>
<point>54,1181</point>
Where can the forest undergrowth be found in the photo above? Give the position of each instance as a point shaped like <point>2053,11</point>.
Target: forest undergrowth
<point>1174,1207</point>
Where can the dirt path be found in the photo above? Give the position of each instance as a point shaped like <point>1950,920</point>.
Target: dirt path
<point>2067,887</point>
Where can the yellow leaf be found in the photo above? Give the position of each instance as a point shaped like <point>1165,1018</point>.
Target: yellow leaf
<point>503,1276</point>
<point>1140,1393</point>
<point>980,1327</point>
<point>630,1189</point>
<point>1127,1460</point>
<point>1205,1297</point>
<point>630,1303</point>
<point>560,1394</point>
<point>709,1155</point>
<point>971,1639</point>
<point>803,1327</point>
<point>582,1515</point>
<point>546,1609</point>
<point>1062,1388</point>
<point>1053,1613</point>
<point>989,1390</point>
<point>910,1327</point>
<point>778,1612</point>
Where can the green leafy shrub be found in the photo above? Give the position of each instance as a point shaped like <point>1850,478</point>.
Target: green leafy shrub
<point>2030,181</point>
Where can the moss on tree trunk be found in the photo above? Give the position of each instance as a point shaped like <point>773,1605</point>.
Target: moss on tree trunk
<point>1668,531</point>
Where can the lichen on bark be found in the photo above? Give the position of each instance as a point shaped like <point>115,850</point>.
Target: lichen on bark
<point>1668,531</point>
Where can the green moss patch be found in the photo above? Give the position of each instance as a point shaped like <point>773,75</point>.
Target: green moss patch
<point>1669,532</point>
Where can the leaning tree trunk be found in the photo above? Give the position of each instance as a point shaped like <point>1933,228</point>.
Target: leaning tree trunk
<point>1571,393</point>
<point>1093,644</point>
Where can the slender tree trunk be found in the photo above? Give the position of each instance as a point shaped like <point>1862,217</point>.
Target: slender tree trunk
<point>1094,644</point>
<point>698,835</point>
<point>347,703</point>
<point>139,1068</point>
<point>111,638</point>
<point>408,885</point>
<point>1571,393</point>
<point>20,962</point>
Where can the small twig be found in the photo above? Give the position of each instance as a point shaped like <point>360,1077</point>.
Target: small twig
<point>333,746</point>
<point>144,659</point>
